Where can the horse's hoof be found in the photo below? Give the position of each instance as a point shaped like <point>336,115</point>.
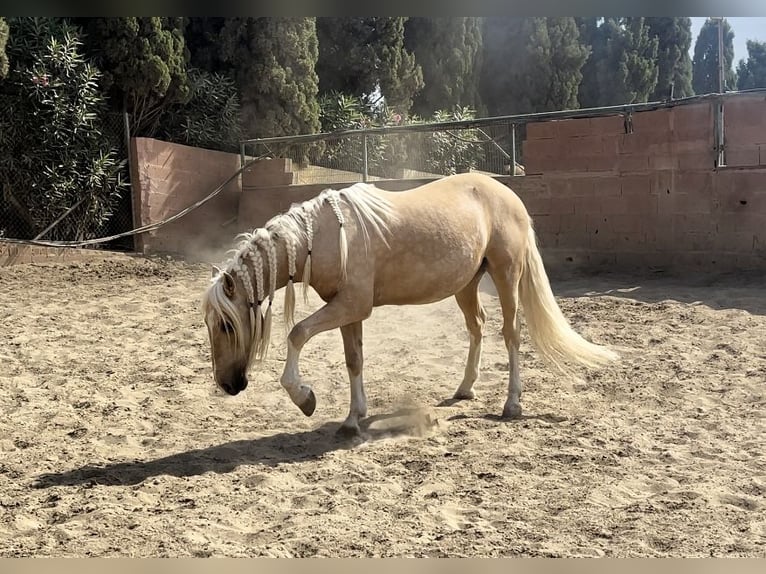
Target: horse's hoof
<point>464,395</point>
<point>512,411</point>
<point>307,407</point>
<point>347,431</point>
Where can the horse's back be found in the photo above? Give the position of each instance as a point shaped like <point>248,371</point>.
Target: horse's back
<point>459,207</point>
<point>442,233</point>
<point>460,194</point>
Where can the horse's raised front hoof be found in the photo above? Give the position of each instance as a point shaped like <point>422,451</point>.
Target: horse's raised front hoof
<point>468,395</point>
<point>308,406</point>
<point>512,411</point>
<point>348,431</point>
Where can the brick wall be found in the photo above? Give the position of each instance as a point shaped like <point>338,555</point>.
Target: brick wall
<point>672,138</point>
<point>167,178</point>
<point>745,129</point>
<point>651,197</point>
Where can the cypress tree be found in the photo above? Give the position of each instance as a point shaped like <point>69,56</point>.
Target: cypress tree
<point>399,74</point>
<point>277,77</point>
<point>449,52</point>
<point>360,55</point>
<point>705,63</point>
<point>531,64</point>
<point>674,36</point>
<point>202,40</point>
<point>272,63</point>
<point>143,61</point>
<point>622,67</point>
<point>592,37</point>
<point>751,73</point>
<point>347,62</point>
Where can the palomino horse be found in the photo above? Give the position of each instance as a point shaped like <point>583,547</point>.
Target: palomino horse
<point>361,248</point>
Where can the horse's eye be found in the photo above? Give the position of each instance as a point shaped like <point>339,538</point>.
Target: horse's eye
<point>226,327</point>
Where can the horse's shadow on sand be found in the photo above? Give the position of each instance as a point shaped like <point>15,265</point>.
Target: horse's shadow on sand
<point>545,417</point>
<point>272,450</point>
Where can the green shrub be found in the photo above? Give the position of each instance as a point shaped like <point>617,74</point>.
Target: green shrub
<point>55,154</point>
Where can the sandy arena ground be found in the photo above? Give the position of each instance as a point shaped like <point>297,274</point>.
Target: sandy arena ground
<point>113,441</point>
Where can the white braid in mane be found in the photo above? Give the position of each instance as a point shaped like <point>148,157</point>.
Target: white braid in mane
<point>289,311</point>
<point>296,228</point>
<point>308,220</point>
<point>262,238</point>
<point>256,352</point>
<point>333,198</point>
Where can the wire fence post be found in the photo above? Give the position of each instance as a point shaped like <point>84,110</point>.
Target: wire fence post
<point>126,123</point>
<point>364,158</point>
<point>513,149</point>
<point>722,153</point>
<point>718,132</point>
<point>242,161</point>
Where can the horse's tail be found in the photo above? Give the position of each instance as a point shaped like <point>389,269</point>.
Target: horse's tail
<point>549,330</point>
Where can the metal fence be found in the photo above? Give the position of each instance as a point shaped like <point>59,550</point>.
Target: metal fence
<point>17,193</point>
<point>395,153</point>
<point>415,151</point>
<point>121,221</point>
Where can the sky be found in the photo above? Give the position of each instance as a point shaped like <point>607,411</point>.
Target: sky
<point>745,28</point>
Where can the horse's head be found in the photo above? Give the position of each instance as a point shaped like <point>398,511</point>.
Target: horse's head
<point>229,321</point>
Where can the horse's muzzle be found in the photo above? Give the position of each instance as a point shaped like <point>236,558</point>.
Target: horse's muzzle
<point>236,385</point>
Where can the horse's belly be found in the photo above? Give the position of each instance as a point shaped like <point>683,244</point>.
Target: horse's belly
<point>434,251</point>
<point>411,281</point>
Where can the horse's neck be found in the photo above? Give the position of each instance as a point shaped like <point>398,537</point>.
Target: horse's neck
<point>283,270</point>
<point>281,267</point>
<point>323,222</point>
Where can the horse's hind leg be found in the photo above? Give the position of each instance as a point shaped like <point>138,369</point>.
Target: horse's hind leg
<point>475,317</point>
<point>352,346</point>
<point>506,279</point>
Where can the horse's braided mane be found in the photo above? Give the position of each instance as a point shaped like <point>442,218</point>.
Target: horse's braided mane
<point>295,227</point>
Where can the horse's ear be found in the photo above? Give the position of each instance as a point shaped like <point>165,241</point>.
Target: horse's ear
<point>228,285</point>
<point>215,271</point>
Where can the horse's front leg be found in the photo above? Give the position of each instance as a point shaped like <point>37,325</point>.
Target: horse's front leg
<point>333,315</point>
<point>352,347</point>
